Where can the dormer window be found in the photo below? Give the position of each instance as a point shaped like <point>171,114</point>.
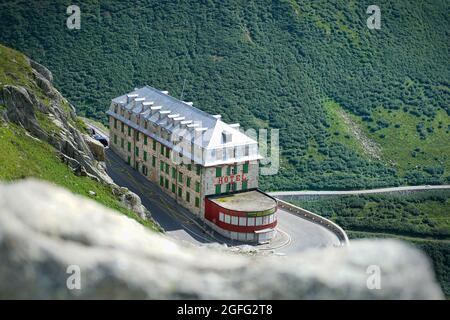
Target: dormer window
<point>247,151</point>
<point>226,137</point>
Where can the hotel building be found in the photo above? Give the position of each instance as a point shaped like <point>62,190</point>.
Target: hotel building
<point>209,167</point>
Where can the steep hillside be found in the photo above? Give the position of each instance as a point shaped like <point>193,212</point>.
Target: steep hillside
<point>421,218</point>
<point>356,108</point>
<point>41,137</point>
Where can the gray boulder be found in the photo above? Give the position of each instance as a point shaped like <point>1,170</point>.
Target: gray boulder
<point>97,149</point>
<point>51,236</point>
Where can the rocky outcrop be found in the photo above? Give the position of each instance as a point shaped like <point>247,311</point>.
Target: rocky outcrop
<point>97,149</point>
<point>50,237</point>
<point>43,71</point>
<point>56,125</point>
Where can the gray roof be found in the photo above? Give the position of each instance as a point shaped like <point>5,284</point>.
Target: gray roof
<point>175,106</point>
<point>210,126</point>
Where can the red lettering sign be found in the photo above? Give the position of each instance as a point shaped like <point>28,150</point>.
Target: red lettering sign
<point>231,179</point>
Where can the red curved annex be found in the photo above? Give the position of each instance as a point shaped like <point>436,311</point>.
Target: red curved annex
<point>246,216</point>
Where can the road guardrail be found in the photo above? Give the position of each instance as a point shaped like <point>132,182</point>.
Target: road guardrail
<point>315,218</point>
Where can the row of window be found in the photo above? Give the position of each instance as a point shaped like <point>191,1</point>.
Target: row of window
<point>246,221</point>
<point>230,187</point>
<point>178,176</point>
<point>231,170</point>
<point>164,182</point>
<point>165,151</point>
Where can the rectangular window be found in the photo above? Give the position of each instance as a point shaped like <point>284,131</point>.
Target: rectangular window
<point>161,166</point>
<point>174,173</point>
<point>234,220</point>
<point>145,155</point>
<point>145,140</point>
<point>167,152</point>
<point>227,187</point>
<point>144,170</point>
<point>246,167</point>
<point>180,192</point>
<point>129,160</point>
<point>227,219</point>
<point>173,187</point>
<point>235,170</point>
<point>197,202</point>
<point>218,189</point>
<point>221,217</point>
<point>244,185</point>
<point>188,197</point>
<point>153,161</point>
<point>115,123</point>
<point>258,221</point>
<point>198,169</point>
<point>162,150</point>
<point>115,139</point>
<point>154,145</point>
<point>129,131</point>
<point>161,181</point>
<point>188,182</point>
<point>228,170</point>
<point>197,186</point>
<point>129,146</point>
<point>167,168</point>
<point>189,167</point>
<point>251,222</point>
<point>136,151</point>
<point>242,221</point>
<point>166,183</point>
<point>122,127</point>
<point>137,135</point>
<point>218,172</point>
<point>180,177</point>
<point>122,143</point>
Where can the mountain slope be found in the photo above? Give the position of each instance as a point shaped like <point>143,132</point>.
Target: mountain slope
<point>41,137</point>
<point>282,64</point>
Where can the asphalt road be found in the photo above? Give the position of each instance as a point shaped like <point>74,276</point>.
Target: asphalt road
<point>356,192</point>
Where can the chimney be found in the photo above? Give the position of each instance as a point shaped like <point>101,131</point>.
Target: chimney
<point>146,105</point>
<point>162,113</point>
<point>172,117</point>
<point>130,97</point>
<point>200,131</point>
<point>185,122</point>
<point>137,101</point>
<point>178,120</point>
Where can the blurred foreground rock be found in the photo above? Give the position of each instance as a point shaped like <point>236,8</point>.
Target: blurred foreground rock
<point>44,230</point>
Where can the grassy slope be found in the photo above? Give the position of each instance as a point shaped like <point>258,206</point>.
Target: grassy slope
<point>266,63</point>
<point>23,156</point>
<point>420,218</point>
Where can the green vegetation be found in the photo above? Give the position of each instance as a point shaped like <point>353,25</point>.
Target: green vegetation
<point>421,218</point>
<point>24,156</point>
<point>270,63</point>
